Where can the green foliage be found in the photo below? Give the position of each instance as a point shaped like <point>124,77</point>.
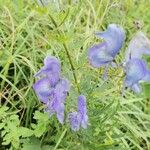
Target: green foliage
<point>27,35</point>
<point>16,135</point>
<point>42,123</point>
<point>10,129</point>
<point>30,144</point>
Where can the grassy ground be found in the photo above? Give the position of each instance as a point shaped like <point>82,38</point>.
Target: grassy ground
<point>28,33</point>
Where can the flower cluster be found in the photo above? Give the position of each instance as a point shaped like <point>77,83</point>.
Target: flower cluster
<point>52,90</point>
<point>135,68</point>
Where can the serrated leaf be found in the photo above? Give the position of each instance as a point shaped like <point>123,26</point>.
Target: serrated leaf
<point>25,132</point>
<point>39,130</point>
<point>31,144</point>
<point>41,116</point>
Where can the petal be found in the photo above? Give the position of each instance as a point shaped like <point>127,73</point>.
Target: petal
<point>147,76</point>
<point>84,122</point>
<point>60,112</point>
<point>139,45</point>
<point>82,110</point>
<point>52,63</point>
<point>54,77</point>
<point>51,69</point>
<point>82,104</point>
<point>43,89</point>
<point>57,107</point>
<point>135,70</point>
<point>74,120</point>
<point>114,37</point>
<point>98,55</point>
<point>61,89</point>
<point>136,88</point>
<point>63,85</point>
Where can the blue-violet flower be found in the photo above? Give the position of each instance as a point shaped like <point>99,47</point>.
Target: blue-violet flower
<point>136,71</point>
<point>51,89</point>
<point>79,119</point>
<point>138,46</point>
<point>105,52</point>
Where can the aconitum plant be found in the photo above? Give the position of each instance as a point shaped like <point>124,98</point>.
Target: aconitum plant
<point>51,88</point>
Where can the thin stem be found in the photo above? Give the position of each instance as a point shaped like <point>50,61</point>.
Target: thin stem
<point>68,55</point>
<point>67,52</point>
<point>72,68</point>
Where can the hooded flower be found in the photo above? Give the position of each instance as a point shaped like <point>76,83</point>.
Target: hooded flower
<point>51,70</point>
<point>80,117</point>
<point>51,89</point>
<point>105,52</point>
<point>138,46</point>
<point>136,71</point>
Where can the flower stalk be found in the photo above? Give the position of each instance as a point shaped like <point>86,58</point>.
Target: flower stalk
<point>67,53</point>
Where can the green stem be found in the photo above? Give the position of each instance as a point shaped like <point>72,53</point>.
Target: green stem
<point>67,52</point>
<point>68,55</point>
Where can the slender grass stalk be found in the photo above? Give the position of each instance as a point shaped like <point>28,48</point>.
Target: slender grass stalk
<point>60,139</point>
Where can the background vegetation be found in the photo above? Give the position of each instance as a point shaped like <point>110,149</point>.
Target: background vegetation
<point>28,32</point>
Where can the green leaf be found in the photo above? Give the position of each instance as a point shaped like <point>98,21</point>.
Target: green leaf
<point>40,129</point>
<point>47,147</point>
<point>31,144</point>
<point>3,110</point>
<point>25,132</point>
<point>41,116</point>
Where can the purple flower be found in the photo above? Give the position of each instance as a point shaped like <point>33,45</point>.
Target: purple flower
<point>62,88</point>
<point>80,117</point>
<point>51,89</point>
<point>136,71</point>
<point>57,99</point>
<point>51,70</point>
<point>104,53</point>
<point>138,46</point>
<point>74,119</point>
<point>43,89</point>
